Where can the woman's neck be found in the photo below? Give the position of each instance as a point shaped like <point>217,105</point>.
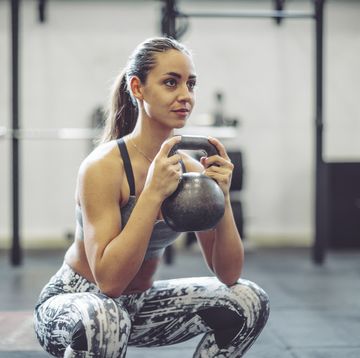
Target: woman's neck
<point>149,138</point>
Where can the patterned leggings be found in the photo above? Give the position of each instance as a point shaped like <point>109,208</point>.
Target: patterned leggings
<point>169,312</point>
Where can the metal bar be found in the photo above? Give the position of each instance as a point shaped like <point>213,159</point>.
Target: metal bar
<point>168,23</point>
<point>50,133</point>
<point>59,134</point>
<point>251,14</point>
<point>321,185</point>
<point>168,28</point>
<point>41,10</point>
<point>16,252</point>
<point>279,6</point>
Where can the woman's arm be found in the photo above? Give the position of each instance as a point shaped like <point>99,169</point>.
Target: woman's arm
<point>115,255</point>
<point>222,247</point>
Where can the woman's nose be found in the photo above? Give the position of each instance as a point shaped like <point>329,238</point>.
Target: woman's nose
<point>184,94</point>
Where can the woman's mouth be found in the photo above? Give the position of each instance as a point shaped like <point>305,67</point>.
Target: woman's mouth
<point>181,112</point>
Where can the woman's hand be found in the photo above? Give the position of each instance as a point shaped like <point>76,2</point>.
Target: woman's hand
<point>164,172</point>
<point>219,167</point>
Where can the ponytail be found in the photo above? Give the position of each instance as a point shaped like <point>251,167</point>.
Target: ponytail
<point>122,112</point>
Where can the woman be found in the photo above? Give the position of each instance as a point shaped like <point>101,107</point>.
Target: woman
<point>104,297</point>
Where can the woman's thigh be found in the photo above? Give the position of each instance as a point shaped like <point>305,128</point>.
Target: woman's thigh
<point>104,323</point>
<point>169,311</point>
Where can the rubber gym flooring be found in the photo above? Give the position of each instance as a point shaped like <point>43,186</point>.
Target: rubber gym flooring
<point>315,310</point>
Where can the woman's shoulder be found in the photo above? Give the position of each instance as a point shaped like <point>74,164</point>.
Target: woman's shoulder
<point>104,160</point>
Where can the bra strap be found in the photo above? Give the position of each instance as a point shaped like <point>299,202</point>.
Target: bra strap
<point>127,164</point>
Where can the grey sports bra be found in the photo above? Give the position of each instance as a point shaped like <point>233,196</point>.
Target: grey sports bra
<point>161,236</point>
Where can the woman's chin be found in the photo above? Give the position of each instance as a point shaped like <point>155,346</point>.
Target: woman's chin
<point>180,123</point>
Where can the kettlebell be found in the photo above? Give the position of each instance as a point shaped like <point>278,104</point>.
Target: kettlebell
<point>198,203</point>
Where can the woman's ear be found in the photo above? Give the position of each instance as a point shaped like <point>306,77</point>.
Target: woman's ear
<point>136,87</point>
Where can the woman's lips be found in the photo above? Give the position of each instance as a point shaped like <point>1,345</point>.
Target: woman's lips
<point>181,111</point>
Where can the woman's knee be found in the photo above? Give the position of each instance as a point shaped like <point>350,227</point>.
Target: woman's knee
<point>83,321</point>
<point>251,301</point>
<point>103,323</point>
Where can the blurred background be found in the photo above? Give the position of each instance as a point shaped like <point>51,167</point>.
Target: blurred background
<point>257,92</point>
<point>264,72</point>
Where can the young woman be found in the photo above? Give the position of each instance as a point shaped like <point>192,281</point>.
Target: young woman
<point>104,298</point>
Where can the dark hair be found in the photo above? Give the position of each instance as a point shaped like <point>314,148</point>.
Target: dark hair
<point>122,112</point>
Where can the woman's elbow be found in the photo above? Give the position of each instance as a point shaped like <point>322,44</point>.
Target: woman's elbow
<point>229,279</point>
<point>229,282</point>
<point>108,285</point>
<point>110,290</point>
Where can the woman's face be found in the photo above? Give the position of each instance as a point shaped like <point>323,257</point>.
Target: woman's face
<point>168,94</point>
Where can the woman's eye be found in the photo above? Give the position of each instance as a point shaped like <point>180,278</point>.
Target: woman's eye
<point>191,84</point>
<point>170,82</point>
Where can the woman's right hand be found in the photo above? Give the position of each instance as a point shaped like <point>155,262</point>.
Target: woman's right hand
<point>164,172</point>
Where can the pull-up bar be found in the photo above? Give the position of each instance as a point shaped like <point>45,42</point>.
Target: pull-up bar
<point>252,14</point>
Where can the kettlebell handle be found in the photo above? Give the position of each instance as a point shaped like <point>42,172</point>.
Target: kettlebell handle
<point>193,142</point>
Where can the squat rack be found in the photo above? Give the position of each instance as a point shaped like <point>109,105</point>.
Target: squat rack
<point>170,15</point>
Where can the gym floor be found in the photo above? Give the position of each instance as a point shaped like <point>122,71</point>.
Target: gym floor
<point>315,310</point>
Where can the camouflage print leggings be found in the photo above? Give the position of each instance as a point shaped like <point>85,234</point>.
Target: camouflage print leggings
<point>170,312</point>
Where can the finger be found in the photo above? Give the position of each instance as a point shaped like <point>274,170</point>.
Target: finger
<point>220,161</point>
<point>174,159</point>
<point>180,169</point>
<point>176,176</point>
<point>219,146</point>
<point>216,169</point>
<point>219,170</point>
<point>221,179</point>
<point>176,168</point>
<point>168,144</point>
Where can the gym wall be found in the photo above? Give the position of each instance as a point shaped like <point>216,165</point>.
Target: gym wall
<point>266,73</point>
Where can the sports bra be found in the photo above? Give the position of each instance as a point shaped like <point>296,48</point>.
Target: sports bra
<point>162,235</point>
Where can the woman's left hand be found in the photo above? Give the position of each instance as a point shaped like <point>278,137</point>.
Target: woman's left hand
<point>219,167</point>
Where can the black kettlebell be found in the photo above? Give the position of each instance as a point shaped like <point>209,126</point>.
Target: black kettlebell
<point>198,203</point>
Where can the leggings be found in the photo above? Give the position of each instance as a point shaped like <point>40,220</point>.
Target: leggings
<point>73,319</point>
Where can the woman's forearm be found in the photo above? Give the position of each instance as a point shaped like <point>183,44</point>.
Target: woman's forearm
<point>124,255</point>
<point>228,251</point>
